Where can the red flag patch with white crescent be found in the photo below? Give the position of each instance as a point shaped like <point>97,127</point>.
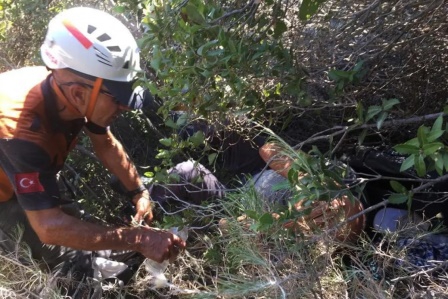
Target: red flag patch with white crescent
<point>27,182</point>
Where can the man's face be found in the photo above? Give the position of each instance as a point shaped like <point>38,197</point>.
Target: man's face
<point>106,110</point>
<point>79,91</point>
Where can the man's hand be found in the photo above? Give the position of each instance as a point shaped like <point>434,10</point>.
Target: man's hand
<point>143,207</point>
<point>160,245</point>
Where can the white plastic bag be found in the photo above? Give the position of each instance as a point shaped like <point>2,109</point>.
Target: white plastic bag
<point>157,270</point>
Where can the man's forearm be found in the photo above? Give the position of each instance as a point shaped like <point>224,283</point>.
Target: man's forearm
<point>54,227</point>
<point>111,153</point>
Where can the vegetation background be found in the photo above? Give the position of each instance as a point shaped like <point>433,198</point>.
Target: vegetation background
<point>326,76</point>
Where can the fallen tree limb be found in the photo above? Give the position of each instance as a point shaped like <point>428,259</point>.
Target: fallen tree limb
<point>391,123</point>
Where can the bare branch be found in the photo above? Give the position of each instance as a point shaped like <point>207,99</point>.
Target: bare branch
<point>391,123</point>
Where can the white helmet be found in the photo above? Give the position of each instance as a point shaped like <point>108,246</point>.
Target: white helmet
<point>94,43</point>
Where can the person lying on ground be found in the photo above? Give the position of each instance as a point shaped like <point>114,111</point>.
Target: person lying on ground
<point>334,216</point>
<point>240,157</point>
<point>195,184</point>
<point>91,63</point>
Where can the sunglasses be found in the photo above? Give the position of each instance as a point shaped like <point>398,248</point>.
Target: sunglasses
<point>102,91</point>
<point>105,92</point>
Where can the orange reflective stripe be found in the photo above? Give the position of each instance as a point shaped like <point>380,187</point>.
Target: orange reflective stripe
<point>94,97</point>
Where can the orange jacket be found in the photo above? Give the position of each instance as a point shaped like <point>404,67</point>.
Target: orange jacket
<point>34,141</point>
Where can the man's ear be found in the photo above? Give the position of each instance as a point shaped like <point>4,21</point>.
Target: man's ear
<point>79,95</point>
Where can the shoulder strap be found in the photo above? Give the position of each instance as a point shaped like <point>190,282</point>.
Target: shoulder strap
<point>50,104</point>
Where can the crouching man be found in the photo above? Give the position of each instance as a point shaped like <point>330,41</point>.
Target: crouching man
<point>91,63</point>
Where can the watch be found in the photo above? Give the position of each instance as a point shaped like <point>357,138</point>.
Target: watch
<point>134,192</point>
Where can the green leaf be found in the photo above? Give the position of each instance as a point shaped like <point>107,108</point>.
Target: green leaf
<point>398,198</point>
<point>387,104</point>
<point>205,47</point>
<point>284,185</point>
<point>156,59</point>
<point>152,88</point>
<point>436,130</point>
<point>333,75</point>
<point>279,28</point>
<point>372,111</point>
<point>197,138</point>
<point>407,163</point>
<point>445,161</point>
<point>257,55</point>
<point>231,46</point>
<point>431,148</point>
<point>155,63</point>
<point>381,119</point>
<point>397,187</point>
<point>362,136</point>
<point>413,141</point>
<point>421,135</point>
<point>308,8</point>
<point>438,163</point>
<point>432,136</point>
<point>163,154</point>
<point>407,149</point>
<point>337,75</point>
<point>437,126</point>
<point>358,66</point>
<point>214,53</point>
<point>251,214</point>
<point>166,141</point>
<point>171,124</point>
<point>182,120</point>
<point>149,174</point>
<point>360,111</point>
<point>420,166</point>
<point>174,177</point>
<point>193,13</point>
<point>266,219</point>
<point>212,158</point>
<point>350,77</point>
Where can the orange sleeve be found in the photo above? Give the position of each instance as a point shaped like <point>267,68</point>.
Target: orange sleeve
<point>6,189</point>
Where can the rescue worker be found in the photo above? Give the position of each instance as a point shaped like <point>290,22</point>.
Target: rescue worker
<point>92,61</point>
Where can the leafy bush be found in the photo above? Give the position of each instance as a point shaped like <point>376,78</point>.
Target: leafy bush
<point>326,76</point>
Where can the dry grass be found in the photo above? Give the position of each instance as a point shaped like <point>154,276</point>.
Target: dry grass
<point>22,277</point>
<point>237,261</point>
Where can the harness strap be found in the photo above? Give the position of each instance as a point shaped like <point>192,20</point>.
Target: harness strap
<point>50,104</point>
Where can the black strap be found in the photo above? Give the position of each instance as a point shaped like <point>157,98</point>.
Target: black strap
<point>96,129</point>
<point>140,189</point>
<point>50,105</point>
<point>70,129</point>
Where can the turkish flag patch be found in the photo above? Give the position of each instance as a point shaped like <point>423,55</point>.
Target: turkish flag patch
<point>28,182</point>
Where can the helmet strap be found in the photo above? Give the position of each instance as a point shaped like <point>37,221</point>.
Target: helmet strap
<point>94,97</point>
